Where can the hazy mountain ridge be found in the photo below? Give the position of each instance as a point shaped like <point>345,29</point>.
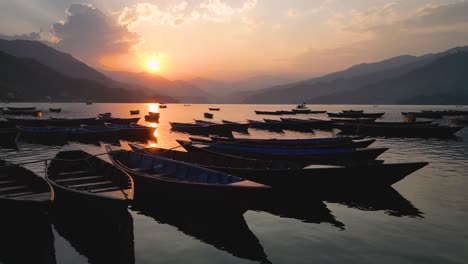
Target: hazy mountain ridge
<point>25,79</point>
<point>352,78</point>
<point>181,90</point>
<point>443,81</point>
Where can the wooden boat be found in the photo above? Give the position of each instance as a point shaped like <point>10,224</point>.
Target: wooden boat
<point>356,115</point>
<point>268,113</point>
<point>337,142</point>
<point>434,115</point>
<point>22,108</point>
<point>285,112</point>
<point>317,177</point>
<point>134,112</point>
<point>305,125</point>
<point>319,144</point>
<point>208,115</point>
<point>418,131</point>
<point>152,117</point>
<point>81,180</point>
<point>22,191</point>
<point>61,135</point>
<point>273,127</point>
<point>313,156</point>
<point>21,112</point>
<point>55,110</point>
<point>162,106</point>
<point>134,131</point>
<point>211,159</point>
<point>69,122</point>
<point>168,179</point>
<point>214,109</point>
<point>238,127</point>
<point>383,123</point>
<point>89,102</point>
<point>233,126</point>
<point>197,129</point>
<point>353,111</point>
<point>105,115</point>
<point>354,120</point>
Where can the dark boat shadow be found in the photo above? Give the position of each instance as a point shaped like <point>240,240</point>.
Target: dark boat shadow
<point>26,239</point>
<point>101,239</point>
<point>303,207</point>
<point>387,200</point>
<point>226,229</point>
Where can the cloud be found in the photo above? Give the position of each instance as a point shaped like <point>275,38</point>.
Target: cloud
<point>380,32</point>
<point>88,33</point>
<point>30,36</point>
<point>181,13</point>
<point>325,5</point>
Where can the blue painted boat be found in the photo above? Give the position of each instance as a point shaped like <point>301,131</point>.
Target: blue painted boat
<point>178,181</point>
<point>319,156</point>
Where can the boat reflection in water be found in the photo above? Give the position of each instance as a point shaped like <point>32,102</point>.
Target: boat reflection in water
<point>226,229</point>
<point>26,240</point>
<point>303,207</point>
<point>388,200</point>
<point>101,239</point>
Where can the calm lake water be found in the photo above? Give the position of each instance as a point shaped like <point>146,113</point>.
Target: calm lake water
<point>422,220</point>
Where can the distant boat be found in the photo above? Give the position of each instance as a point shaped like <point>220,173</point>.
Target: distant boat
<point>186,105</point>
<point>22,108</point>
<point>214,109</point>
<point>89,102</point>
<point>55,110</point>
<point>208,115</point>
<point>152,117</point>
<point>134,112</point>
<point>162,106</point>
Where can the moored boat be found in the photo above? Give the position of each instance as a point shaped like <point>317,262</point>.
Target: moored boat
<point>214,108</point>
<point>8,136</point>
<point>21,112</point>
<point>208,115</point>
<point>268,113</point>
<point>134,112</point>
<point>55,110</point>
<point>335,142</point>
<point>418,131</point>
<point>21,108</point>
<point>313,156</point>
<point>424,114</point>
<point>273,127</point>
<point>84,181</point>
<point>22,191</point>
<point>356,115</point>
<point>152,117</point>
<point>162,106</point>
<point>317,177</point>
<point>178,181</point>
<point>198,129</point>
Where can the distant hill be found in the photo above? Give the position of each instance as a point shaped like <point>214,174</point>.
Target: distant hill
<point>57,60</point>
<point>356,77</point>
<point>226,91</point>
<point>28,80</point>
<point>181,90</point>
<point>443,81</point>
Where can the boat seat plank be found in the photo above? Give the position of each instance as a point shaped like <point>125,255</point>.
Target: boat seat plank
<point>91,184</point>
<point>39,197</point>
<point>79,178</point>
<point>7,181</point>
<point>116,193</point>
<point>71,173</point>
<point>19,187</point>
<point>13,195</point>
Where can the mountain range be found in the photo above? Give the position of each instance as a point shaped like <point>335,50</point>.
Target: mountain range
<point>356,81</point>
<point>438,78</point>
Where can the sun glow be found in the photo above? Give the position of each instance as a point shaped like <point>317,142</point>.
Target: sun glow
<point>152,65</point>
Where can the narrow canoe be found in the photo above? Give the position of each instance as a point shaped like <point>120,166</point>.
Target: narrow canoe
<point>356,115</point>
<point>345,142</point>
<point>160,177</point>
<point>22,191</point>
<point>21,108</point>
<point>84,181</point>
<point>134,112</point>
<point>312,156</point>
<point>418,131</point>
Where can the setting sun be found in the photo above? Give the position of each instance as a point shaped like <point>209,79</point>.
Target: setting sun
<point>152,65</point>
